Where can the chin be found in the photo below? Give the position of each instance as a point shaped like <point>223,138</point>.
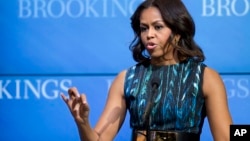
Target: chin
<point>156,55</point>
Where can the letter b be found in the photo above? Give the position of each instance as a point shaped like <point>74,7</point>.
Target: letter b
<point>24,9</point>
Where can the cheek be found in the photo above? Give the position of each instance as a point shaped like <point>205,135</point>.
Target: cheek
<point>143,39</point>
<point>164,38</point>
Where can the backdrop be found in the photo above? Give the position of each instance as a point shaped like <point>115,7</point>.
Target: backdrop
<point>47,46</point>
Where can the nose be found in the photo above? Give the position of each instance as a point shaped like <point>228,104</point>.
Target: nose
<point>150,33</point>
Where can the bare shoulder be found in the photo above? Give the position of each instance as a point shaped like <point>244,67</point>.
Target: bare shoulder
<point>120,78</point>
<point>118,83</point>
<point>122,74</point>
<point>209,72</point>
<point>212,82</point>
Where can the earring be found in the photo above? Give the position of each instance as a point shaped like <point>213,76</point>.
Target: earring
<point>176,41</point>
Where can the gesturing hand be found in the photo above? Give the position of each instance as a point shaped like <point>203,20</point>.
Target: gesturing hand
<point>77,105</point>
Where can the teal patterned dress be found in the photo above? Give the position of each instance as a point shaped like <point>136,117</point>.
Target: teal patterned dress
<point>178,104</point>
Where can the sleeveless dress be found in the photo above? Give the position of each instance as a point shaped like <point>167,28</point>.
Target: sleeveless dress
<point>178,104</point>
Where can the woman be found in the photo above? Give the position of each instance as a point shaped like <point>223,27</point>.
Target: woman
<point>168,92</point>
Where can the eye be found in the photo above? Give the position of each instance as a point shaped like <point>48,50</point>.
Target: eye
<point>158,27</point>
<point>143,28</point>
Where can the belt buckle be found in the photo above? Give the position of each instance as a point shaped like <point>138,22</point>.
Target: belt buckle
<point>165,136</point>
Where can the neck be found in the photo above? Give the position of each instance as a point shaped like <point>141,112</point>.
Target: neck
<point>173,59</point>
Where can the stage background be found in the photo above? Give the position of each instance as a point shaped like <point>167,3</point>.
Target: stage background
<point>47,46</point>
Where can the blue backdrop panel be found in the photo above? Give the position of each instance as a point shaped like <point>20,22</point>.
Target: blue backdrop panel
<point>31,107</point>
<point>85,36</point>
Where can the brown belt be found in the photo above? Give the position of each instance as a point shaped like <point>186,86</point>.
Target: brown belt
<point>139,135</point>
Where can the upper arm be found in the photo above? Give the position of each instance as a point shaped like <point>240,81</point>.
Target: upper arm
<point>114,111</point>
<point>216,105</point>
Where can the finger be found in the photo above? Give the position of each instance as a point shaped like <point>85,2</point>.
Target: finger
<point>85,105</point>
<point>76,109</point>
<point>75,103</point>
<point>83,99</point>
<point>80,106</point>
<point>65,99</point>
<point>73,92</point>
<point>79,100</point>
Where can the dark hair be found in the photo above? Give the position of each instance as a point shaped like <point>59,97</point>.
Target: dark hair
<point>177,18</point>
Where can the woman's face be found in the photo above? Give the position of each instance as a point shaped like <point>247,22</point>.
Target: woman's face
<point>155,33</point>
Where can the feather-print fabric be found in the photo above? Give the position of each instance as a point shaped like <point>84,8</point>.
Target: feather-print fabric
<point>178,104</point>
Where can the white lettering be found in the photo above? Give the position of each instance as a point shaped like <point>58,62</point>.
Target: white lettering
<point>231,84</point>
<point>246,8</point>
<point>242,85</point>
<point>25,89</point>
<point>39,5</point>
<point>45,85</point>
<point>131,7</point>
<point>3,89</point>
<point>119,6</point>
<point>90,8</point>
<point>18,83</point>
<point>65,84</point>
<point>35,90</point>
<point>225,7</point>
<point>69,8</point>
<point>24,9</point>
<point>105,11</point>
<point>243,131</point>
<point>239,132</point>
<point>50,7</point>
<point>208,7</point>
<point>237,87</point>
<point>75,8</point>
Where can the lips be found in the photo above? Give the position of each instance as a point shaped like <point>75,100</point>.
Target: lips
<point>150,46</point>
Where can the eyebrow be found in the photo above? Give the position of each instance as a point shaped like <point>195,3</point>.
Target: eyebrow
<point>155,22</point>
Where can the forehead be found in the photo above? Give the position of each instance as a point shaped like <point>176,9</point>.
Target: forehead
<point>150,14</point>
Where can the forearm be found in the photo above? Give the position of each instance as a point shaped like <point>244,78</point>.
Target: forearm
<point>86,133</point>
